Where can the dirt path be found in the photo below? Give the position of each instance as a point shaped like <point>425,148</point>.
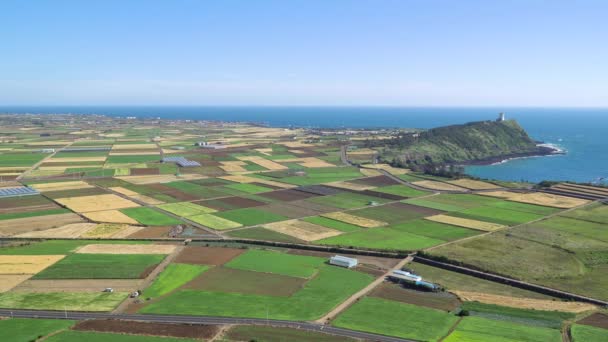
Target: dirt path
<point>150,278</point>
<point>26,172</point>
<point>352,299</point>
<point>220,334</point>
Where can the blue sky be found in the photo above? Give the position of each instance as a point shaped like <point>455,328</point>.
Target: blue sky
<point>290,52</point>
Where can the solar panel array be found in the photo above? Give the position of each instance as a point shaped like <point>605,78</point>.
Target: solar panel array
<point>173,159</point>
<point>17,191</point>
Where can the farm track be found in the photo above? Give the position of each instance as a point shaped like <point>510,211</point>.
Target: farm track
<point>352,299</point>
<point>42,161</point>
<point>177,319</point>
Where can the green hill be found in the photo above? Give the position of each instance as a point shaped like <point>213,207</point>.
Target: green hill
<point>474,142</point>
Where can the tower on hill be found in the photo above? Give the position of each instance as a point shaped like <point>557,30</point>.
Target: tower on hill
<point>501,117</point>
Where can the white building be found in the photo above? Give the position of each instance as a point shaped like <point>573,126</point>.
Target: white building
<point>501,117</point>
<point>343,261</point>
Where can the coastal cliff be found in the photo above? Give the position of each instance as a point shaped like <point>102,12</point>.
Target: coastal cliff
<point>482,142</point>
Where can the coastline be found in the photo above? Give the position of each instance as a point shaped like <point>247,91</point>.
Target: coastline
<point>544,150</point>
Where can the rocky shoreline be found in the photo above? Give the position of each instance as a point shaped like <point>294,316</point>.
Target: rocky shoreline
<point>543,150</point>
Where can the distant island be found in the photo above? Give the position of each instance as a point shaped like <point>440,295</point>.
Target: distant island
<point>481,142</point>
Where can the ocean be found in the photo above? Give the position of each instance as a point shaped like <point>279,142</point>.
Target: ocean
<point>581,133</point>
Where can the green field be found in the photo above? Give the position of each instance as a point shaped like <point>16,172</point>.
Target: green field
<point>260,233</point>
<point>477,329</point>
<point>346,200</point>
<point>329,223</point>
<point>11,216</point>
<point>197,190</point>
<point>382,238</point>
<point>172,277</point>
<point>320,175</point>
<point>524,207</point>
<point>497,215</point>
<point>250,216</point>
<point>585,333</point>
<point>214,222</point>
<point>279,334</point>
<point>434,230</point>
<point>74,301</point>
<point>24,329</point>
<point>150,217</point>
<point>596,212</point>
<point>78,336</point>
<point>453,202</point>
<point>277,263</point>
<point>185,209</point>
<point>248,188</point>
<point>132,159</point>
<point>20,159</point>
<point>386,317</point>
<point>401,190</point>
<point>549,319</point>
<point>100,266</point>
<point>388,213</point>
<point>81,154</point>
<point>331,286</point>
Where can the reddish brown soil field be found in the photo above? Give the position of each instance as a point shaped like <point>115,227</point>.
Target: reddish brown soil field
<point>376,181</point>
<point>151,232</point>
<point>142,328</point>
<point>267,185</point>
<point>167,190</point>
<point>369,270</point>
<point>382,195</point>
<point>240,202</point>
<point>223,279</point>
<point>289,210</point>
<point>9,177</point>
<point>144,171</point>
<point>442,301</point>
<point>207,255</point>
<point>30,208</point>
<point>597,320</point>
<point>25,201</point>
<point>75,193</point>
<point>287,195</point>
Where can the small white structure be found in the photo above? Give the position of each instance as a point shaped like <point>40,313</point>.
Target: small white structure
<point>108,289</point>
<point>201,143</point>
<point>48,150</point>
<point>501,117</point>
<point>343,261</point>
<point>405,275</point>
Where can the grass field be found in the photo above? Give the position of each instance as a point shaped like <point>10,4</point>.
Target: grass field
<point>260,233</point>
<point>75,301</point>
<point>279,334</point>
<point>24,329</point>
<point>150,217</point>
<point>277,263</point>
<point>248,188</point>
<point>172,277</point>
<point>434,230</point>
<point>382,238</point>
<point>322,175</point>
<point>453,202</point>
<point>328,288</point>
<point>78,336</point>
<point>20,159</point>
<point>329,223</point>
<point>100,266</point>
<point>549,319</point>
<point>401,190</point>
<point>477,329</point>
<point>595,213</point>
<point>585,333</point>
<point>250,216</point>
<point>346,200</point>
<point>11,216</point>
<point>389,213</point>
<point>134,159</point>
<point>185,209</point>
<point>396,319</point>
<point>214,222</point>
<point>497,215</point>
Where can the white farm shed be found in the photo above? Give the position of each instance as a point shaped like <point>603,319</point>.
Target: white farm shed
<point>343,261</point>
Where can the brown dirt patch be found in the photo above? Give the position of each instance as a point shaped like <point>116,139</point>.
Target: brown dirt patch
<point>415,208</point>
<point>597,320</point>
<point>78,285</point>
<point>75,193</point>
<point>207,255</point>
<point>9,281</point>
<point>26,264</point>
<point>167,190</point>
<point>441,301</point>
<point>21,203</point>
<point>145,171</point>
<point>143,328</point>
<point>287,195</point>
<point>29,224</point>
<point>289,210</point>
<point>223,279</point>
<point>151,232</point>
<point>524,303</point>
<point>302,230</point>
<point>319,208</point>
<point>384,195</point>
<point>85,204</point>
<point>369,270</point>
<point>29,208</point>
<point>72,230</point>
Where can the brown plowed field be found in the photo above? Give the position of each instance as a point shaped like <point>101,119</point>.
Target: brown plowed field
<point>320,208</point>
<point>234,202</point>
<point>144,171</point>
<point>25,201</point>
<point>441,301</point>
<point>376,181</point>
<point>287,195</point>
<point>223,279</point>
<point>155,329</point>
<point>167,190</point>
<point>597,320</point>
<point>207,255</point>
<point>289,210</point>
<point>75,193</point>
<point>151,232</point>
<point>382,195</point>
<point>77,285</point>
<point>29,224</point>
<point>29,208</point>
<point>415,208</point>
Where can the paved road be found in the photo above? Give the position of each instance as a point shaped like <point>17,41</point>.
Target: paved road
<point>199,320</point>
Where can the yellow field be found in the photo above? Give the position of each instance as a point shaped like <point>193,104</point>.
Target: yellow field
<point>314,162</point>
<point>351,186</point>
<point>473,184</point>
<point>126,231</point>
<point>105,230</point>
<point>434,185</point>
<point>133,146</point>
<point>126,249</point>
<point>84,204</point>
<point>269,164</point>
<point>26,264</point>
<point>295,144</point>
<point>71,185</point>
<point>388,168</point>
<point>247,179</point>
<point>48,143</point>
<point>467,223</point>
<point>149,179</point>
<point>302,230</point>
<point>233,166</point>
<point>9,281</point>
<point>124,191</point>
<point>539,198</point>
<point>525,303</point>
<point>356,220</point>
<point>370,172</point>
<point>266,151</point>
<point>28,224</point>
<point>72,230</point>
<point>109,216</point>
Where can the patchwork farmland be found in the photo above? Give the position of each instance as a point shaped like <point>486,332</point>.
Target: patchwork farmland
<point>110,223</point>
